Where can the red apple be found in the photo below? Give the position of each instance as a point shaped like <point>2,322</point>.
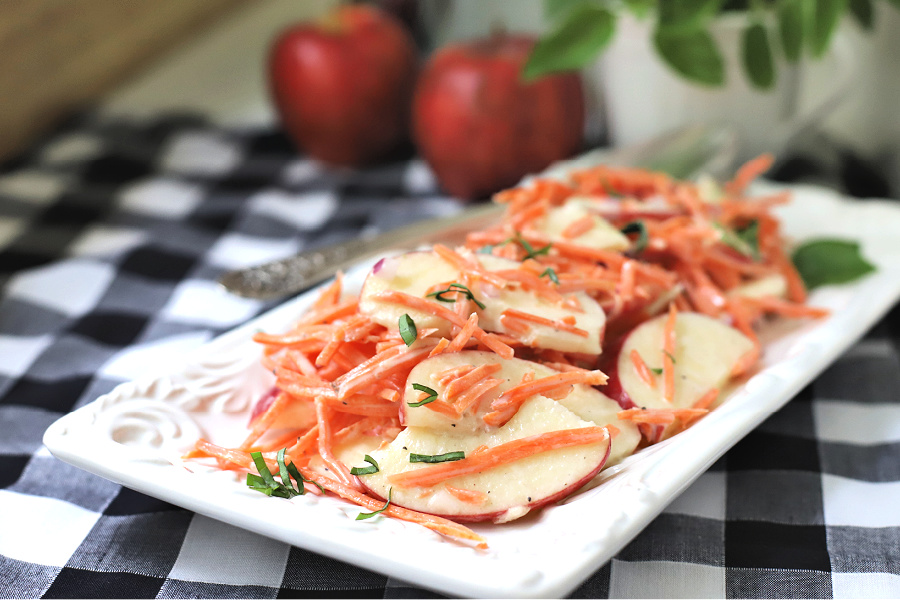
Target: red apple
<point>481,127</point>
<point>342,85</point>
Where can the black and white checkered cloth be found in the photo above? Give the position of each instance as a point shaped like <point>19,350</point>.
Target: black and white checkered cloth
<point>111,237</point>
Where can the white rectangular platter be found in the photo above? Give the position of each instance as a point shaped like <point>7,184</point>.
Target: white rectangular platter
<point>136,434</point>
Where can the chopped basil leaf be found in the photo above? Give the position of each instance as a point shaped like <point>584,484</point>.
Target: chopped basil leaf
<point>549,272</point>
<point>657,371</point>
<point>283,472</point>
<point>639,228</point>
<point>437,458</point>
<point>745,240</point>
<point>255,482</point>
<point>372,468</point>
<point>369,515</point>
<point>456,288</point>
<point>750,236</point>
<point>300,478</point>
<point>829,262</point>
<point>432,395</point>
<point>530,252</point>
<point>263,469</point>
<point>408,330</point>
<point>266,483</point>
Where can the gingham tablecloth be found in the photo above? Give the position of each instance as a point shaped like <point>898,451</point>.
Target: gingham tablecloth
<point>111,238</point>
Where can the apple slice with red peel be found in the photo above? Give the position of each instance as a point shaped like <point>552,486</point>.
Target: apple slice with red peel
<point>583,400</point>
<point>413,273</point>
<point>417,274</point>
<point>600,235</point>
<point>599,408</point>
<point>706,352</point>
<point>501,493</point>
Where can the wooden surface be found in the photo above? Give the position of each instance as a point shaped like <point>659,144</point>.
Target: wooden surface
<point>56,55</point>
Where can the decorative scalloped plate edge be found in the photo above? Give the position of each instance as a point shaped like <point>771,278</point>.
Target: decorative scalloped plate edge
<point>135,435</point>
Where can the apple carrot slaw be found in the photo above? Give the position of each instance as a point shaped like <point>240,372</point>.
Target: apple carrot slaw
<point>588,294</point>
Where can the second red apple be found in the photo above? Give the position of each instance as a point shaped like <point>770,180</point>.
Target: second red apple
<point>481,127</point>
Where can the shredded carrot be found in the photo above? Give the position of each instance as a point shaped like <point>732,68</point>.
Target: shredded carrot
<point>508,403</point>
<point>465,334</point>
<point>500,455</point>
<point>467,496</point>
<point>659,416</point>
<point>748,172</point>
<point>466,380</point>
<point>642,369</point>
<point>473,395</point>
<point>578,227</point>
<point>669,355</point>
<point>707,399</point>
<point>512,313</point>
<point>440,347</point>
<point>339,469</point>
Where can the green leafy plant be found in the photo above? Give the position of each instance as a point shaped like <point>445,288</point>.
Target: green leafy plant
<point>581,29</point>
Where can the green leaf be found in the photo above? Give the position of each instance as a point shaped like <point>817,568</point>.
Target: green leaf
<point>693,55</point>
<point>283,472</point>
<point>263,469</point>
<point>687,15</point>
<point>862,10</point>
<point>530,251</point>
<point>573,44</point>
<point>257,483</point>
<point>295,472</point>
<point>455,288</point>
<point>824,19</point>
<point>554,10</point>
<point>408,331</point>
<point>757,56</point>
<point>639,228</point>
<point>830,262</point>
<point>549,272</point>
<point>372,468</point>
<point>432,395</point>
<point>369,515</point>
<point>790,27</point>
<point>745,241</point>
<point>639,8</point>
<point>437,458</point>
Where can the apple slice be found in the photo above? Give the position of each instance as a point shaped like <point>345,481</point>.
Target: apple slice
<point>584,401</point>
<point>501,493</point>
<point>770,285</point>
<point>706,352</point>
<point>601,234</point>
<point>413,273</point>
<point>589,317</point>
<point>417,273</point>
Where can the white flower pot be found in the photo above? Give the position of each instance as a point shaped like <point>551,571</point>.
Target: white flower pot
<point>640,96</point>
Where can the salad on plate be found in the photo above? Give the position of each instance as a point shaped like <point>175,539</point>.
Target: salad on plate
<point>601,315</point>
